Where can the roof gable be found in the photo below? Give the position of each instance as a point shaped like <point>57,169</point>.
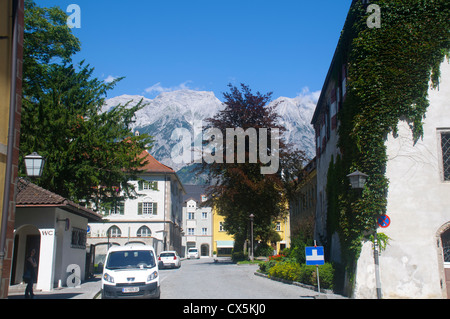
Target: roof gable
<point>152,165</point>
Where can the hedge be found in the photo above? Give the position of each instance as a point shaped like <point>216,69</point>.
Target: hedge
<point>293,271</point>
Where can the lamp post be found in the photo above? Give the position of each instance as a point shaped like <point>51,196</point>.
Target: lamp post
<point>251,234</point>
<point>358,180</point>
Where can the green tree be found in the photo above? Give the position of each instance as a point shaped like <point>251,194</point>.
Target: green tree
<point>239,189</point>
<point>89,153</point>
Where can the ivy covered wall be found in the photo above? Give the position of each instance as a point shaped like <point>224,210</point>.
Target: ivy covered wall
<point>389,71</point>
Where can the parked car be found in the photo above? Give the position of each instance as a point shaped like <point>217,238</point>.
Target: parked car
<point>130,272</point>
<point>193,253</point>
<point>169,259</point>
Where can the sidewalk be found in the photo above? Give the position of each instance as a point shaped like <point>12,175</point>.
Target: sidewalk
<point>88,290</point>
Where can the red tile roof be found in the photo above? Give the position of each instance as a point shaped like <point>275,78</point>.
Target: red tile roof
<point>153,166</point>
<point>31,195</point>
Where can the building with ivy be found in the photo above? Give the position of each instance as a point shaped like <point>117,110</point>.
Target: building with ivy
<point>384,111</point>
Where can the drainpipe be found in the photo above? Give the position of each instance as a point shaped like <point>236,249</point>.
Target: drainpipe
<point>9,158</point>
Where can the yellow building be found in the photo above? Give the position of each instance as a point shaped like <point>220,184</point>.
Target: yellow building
<point>223,242</point>
<point>284,230</point>
<point>11,48</point>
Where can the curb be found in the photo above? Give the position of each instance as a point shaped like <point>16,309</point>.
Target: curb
<point>298,284</point>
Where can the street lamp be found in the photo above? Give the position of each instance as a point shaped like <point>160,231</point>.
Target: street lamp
<point>34,164</point>
<point>358,180</point>
<point>251,231</point>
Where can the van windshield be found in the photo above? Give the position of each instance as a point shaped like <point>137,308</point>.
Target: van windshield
<point>131,259</point>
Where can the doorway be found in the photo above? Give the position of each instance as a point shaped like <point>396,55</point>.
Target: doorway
<point>26,238</point>
<point>204,250</point>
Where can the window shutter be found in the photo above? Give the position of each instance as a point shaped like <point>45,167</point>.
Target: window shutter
<point>155,208</point>
<point>141,185</point>
<point>139,208</point>
<point>122,208</point>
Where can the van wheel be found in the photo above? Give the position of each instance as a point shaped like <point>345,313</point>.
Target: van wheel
<point>158,296</point>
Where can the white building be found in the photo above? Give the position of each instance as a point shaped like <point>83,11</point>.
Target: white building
<point>153,218</point>
<point>56,229</point>
<point>416,263</point>
<point>197,221</point>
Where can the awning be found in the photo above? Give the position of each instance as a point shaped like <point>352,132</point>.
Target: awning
<point>225,244</point>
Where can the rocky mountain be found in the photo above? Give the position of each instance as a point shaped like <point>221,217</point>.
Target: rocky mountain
<point>185,109</point>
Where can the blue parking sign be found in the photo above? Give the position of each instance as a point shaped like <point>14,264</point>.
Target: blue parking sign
<point>314,256</point>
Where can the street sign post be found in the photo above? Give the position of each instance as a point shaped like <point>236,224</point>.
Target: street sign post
<point>315,257</point>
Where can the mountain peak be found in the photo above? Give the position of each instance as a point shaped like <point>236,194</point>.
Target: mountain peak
<point>186,108</point>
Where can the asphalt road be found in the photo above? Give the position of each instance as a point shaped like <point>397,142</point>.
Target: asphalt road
<point>205,279</point>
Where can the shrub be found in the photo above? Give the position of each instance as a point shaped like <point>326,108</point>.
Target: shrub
<point>288,269</point>
<point>285,270</point>
<point>277,257</point>
<point>265,266</point>
<point>263,250</point>
<point>239,256</point>
<point>308,275</point>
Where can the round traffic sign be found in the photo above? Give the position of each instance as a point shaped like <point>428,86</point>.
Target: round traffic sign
<point>384,221</point>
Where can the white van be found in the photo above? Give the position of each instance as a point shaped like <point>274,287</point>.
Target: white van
<point>130,272</point>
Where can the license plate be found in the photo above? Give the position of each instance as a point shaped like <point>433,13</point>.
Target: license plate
<point>130,289</point>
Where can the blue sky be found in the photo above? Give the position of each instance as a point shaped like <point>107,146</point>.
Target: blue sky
<point>282,46</point>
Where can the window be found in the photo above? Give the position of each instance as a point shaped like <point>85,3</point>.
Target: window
<point>131,259</point>
<point>446,246</point>
<point>78,238</point>
<point>144,231</point>
<point>204,231</point>
<point>190,231</point>
<point>147,208</point>
<point>204,215</point>
<point>114,231</point>
<point>278,226</point>
<point>445,145</point>
<point>221,228</point>
<point>116,208</point>
<point>148,185</point>
<point>191,216</point>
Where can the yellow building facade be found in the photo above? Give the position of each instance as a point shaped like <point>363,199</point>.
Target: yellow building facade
<point>223,242</point>
<point>11,50</point>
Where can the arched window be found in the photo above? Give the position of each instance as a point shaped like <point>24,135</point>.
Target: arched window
<point>114,231</point>
<point>446,246</point>
<point>144,231</point>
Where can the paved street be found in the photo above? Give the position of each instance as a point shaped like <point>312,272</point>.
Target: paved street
<point>197,279</point>
<point>204,279</point>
